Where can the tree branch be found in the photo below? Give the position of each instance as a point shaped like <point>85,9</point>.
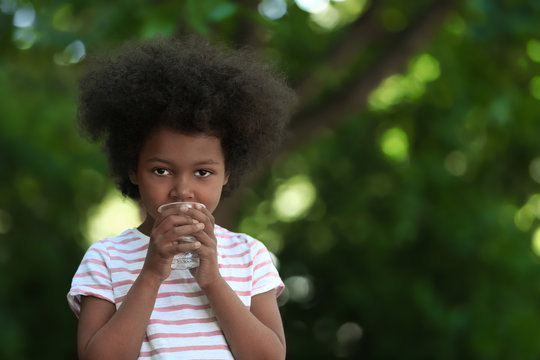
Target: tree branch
<point>246,33</point>
<point>351,98</point>
<point>360,34</point>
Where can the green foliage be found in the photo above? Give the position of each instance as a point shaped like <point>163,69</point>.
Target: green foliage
<point>50,177</point>
<point>403,238</point>
<point>422,255</point>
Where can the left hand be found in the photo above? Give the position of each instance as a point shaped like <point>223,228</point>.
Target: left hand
<point>208,270</point>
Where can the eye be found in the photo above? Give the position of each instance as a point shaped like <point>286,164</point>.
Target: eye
<point>203,173</point>
<point>161,171</point>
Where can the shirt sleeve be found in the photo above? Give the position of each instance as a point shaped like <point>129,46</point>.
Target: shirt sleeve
<point>93,277</point>
<point>265,274</point>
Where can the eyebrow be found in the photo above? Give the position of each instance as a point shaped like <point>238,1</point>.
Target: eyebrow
<point>202,162</point>
<point>158,159</point>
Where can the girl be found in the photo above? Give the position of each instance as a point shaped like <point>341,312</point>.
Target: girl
<point>180,121</point>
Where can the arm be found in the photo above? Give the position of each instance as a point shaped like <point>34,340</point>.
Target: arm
<point>104,332</point>
<point>251,334</point>
<point>255,333</point>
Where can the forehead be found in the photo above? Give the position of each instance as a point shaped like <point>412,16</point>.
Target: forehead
<point>172,144</point>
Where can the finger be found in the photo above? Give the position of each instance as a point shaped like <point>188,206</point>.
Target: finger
<point>208,249</point>
<point>172,221</point>
<point>207,212</point>
<point>177,210</point>
<point>169,234</point>
<point>162,215</point>
<point>182,246</point>
<point>177,232</point>
<point>201,214</point>
<point>205,239</point>
<point>168,212</point>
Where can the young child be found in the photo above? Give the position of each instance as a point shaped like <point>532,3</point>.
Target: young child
<point>180,120</point>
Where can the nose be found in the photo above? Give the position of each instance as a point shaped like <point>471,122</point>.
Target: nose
<point>182,189</point>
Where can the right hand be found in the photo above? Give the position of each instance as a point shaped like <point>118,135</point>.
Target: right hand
<point>164,244</point>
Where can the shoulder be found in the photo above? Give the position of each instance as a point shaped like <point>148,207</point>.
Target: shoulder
<point>230,238</point>
<point>228,235</point>
<point>128,239</point>
<point>239,243</point>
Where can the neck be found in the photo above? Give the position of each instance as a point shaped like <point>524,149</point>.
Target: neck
<point>146,226</point>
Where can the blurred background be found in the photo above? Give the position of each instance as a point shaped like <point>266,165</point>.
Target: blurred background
<point>403,210</point>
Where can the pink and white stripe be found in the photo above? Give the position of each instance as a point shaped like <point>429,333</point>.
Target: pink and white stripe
<point>182,324</point>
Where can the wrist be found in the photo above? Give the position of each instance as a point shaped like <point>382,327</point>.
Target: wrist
<point>215,284</point>
<point>150,279</point>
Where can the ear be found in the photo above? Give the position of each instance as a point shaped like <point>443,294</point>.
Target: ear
<point>133,177</point>
<point>226,179</point>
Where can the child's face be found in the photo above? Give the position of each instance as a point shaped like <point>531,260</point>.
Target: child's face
<point>174,166</point>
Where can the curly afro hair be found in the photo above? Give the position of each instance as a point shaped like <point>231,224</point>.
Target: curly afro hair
<point>188,85</point>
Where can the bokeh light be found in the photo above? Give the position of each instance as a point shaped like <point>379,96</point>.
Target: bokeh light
<point>455,24</point>
<point>456,163</point>
<point>24,38</point>
<point>398,88</point>
<point>312,6</point>
<point>8,6</point>
<point>526,215</point>
<point>535,87</point>
<point>536,241</point>
<point>72,54</point>
<point>533,50</point>
<point>294,198</point>
<point>64,19</point>
<point>395,144</point>
<point>115,214</point>
<point>24,16</point>
<point>349,332</point>
<point>327,18</point>
<point>273,9</point>
<point>425,68</point>
<point>298,289</point>
<point>534,169</point>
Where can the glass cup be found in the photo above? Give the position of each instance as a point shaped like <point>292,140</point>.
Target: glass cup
<point>190,259</point>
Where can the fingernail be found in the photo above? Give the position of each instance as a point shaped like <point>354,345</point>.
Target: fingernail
<point>197,245</point>
<point>200,225</point>
<point>195,221</point>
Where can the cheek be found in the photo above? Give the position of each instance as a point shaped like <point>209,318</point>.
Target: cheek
<point>152,193</point>
<point>212,201</point>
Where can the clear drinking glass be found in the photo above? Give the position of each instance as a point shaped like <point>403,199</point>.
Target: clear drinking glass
<point>190,259</point>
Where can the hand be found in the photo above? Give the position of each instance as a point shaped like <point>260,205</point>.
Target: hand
<point>208,270</point>
<point>168,228</point>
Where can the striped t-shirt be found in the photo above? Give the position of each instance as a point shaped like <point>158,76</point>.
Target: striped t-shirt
<point>182,325</point>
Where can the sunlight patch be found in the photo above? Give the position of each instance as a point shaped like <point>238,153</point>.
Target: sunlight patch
<point>395,144</point>
<point>114,215</point>
<point>294,198</point>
